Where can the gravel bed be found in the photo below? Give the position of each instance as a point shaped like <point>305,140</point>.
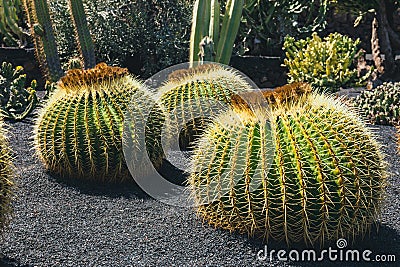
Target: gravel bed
<point>59,223</point>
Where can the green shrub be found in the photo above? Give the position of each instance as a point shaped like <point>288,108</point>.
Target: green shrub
<point>381,105</point>
<point>16,101</point>
<point>156,31</point>
<point>305,170</point>
<point>268,21</point>
<point>327,64</point>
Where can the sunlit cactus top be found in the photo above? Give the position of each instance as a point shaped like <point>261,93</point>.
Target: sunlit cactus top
<point>79,78</point>
<point>280,95</point>
<point>79,132</point>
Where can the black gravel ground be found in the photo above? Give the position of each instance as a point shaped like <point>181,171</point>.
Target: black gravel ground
<point>66,224</point>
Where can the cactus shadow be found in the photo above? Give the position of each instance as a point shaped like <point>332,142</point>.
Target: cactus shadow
<point>127,189</point>
<point>172,173</point>
<point>381,240</point>
<point>10,262</point>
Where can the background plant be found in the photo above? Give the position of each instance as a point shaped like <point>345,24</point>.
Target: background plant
<point>16,101</point>
<point>41,27</point>
<point>326,64</point>
<point>11,32</point>
<point>42,32</point>
<point>385,39</point>
<point>82,33</point>
<point>209,40</point>
<point>381,105</point>
<point>145,36</point>
<point>266,23</point>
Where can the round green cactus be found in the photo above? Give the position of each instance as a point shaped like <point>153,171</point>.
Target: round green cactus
<point>6,179</point>
<point>192,96</point>
<point>398,138</point>
<point>381,105</point>
<point>302,170</point>
<point>79,132</point>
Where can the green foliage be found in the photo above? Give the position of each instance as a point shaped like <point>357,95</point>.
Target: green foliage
<point>269,21</point>
<point>16,101</point>
<point>6,179</point>
<point>45,42</point>
<point>40,23</point>
<point>381,105</point>
<point>156,32</point>
<point>327,64</point>
<point>79,132</point>
<point>207,33</point>
<point>306,171</point>
<point>361,7</point>
<point>75,63</point>
<point>11,33</point>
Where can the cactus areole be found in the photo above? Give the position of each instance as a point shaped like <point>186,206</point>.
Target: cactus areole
<point>304,170</point>
<point>79,132</point>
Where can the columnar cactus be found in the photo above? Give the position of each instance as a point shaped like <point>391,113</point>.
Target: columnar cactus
<point>43,35</point>
<point>305,170</point>
<point>79,132</point>
<point>192,96</point>
<point>6,179</point>
<point>210,41</point>
<point>84,40</point>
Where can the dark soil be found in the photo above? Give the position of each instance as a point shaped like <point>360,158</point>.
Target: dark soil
<point>57,223</point>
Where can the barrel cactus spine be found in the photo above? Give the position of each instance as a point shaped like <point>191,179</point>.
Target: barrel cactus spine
<point>79,131</point>
<point>398,138</point>
<point>323,180</point>
<point>6,179</point>
<point>192,96</point>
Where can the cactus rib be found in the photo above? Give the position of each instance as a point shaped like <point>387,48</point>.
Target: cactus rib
<point>306,170</point>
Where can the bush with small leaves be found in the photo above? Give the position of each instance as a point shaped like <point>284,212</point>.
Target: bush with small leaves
<point>327,64</point>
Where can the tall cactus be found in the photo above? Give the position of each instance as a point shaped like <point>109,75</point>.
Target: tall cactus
<point>84,40</point>
<point>43,35</point>
<point>304,170</point>
<point>207,31</point>
<point>9,22</point>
